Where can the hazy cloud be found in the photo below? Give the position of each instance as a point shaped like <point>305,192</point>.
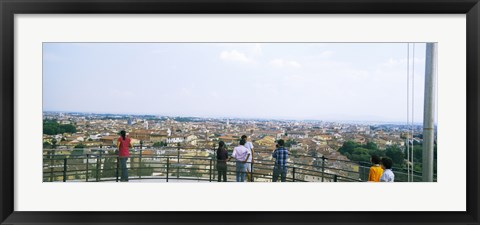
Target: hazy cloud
<point>234,55</point>
<point>325,54</point>
<point>348,81</point>
<point>120,93</point>
<point>285,63</point>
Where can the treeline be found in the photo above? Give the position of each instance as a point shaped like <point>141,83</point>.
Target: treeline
<point>159,144</point>
<point>417,156</point>
<point>52,127</point>
<point>109,168</point>
<point>186,119</point>
<point>358,152</point>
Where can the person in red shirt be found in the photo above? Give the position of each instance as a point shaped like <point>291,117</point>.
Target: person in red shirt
<point>123,143</point>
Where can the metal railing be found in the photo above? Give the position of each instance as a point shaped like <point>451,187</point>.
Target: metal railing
<point>168,163</point>
<point>97,168</point>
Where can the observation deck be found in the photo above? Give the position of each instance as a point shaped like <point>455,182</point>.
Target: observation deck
<point>177,164</point>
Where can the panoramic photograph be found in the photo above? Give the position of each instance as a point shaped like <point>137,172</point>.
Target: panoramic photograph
<point>239,112</point>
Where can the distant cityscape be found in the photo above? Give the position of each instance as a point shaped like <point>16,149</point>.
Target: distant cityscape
<point>95,130</point>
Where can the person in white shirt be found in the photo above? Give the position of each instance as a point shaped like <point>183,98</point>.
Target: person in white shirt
<point>387,175</point>
<point>240,153</point>
<point>250,159</point>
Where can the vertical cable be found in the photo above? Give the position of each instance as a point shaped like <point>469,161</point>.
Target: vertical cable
<point>408,109</point>
<point>436,110</point>
<point>413,102</point>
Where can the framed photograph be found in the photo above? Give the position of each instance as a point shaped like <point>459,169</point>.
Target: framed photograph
<point>239,112</point>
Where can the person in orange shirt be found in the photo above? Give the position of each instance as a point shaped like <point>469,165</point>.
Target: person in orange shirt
<point>376,170</point>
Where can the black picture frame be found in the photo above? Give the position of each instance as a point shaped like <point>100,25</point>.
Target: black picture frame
<point>9,8</point>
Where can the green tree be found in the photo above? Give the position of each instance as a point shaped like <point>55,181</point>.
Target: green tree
<point>51,127</point>
<point>80,145</point>
<point>360,151</point>
<point>290,142</point>
<point>379,153</point>
<point>396,154</point>
<point>418,157</point>
<point>159,144</point>
<point>348,155</point>
<point>417,167</point>
<point>348,147</point>
<point>370,145</point>
<point>48,129</point>
<point>109,167</point>
<point>54,142</point>
<point>417,153</point>
<point>78,149</point>
<point>293,152</point>
<point>360,154</point>
<point>68,128</point>
<point>144,171</point>
<point>47,145</point>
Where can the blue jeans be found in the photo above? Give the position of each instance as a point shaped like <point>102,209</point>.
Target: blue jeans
<point>279,170</point>
<point>123,165</point>
<point>241,171</point>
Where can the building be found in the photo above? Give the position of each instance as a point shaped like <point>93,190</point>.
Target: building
<point>229,139</point>
<point>266,141</point>
<point>109,140</point>
<point>174,139</point>
<point>141,134</point>
<point>297,134</point>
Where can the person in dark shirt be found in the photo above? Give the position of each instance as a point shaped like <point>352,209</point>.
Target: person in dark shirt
<point>281,157</point>
<point>222,156</point>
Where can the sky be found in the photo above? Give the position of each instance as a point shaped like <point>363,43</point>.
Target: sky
<point>317,81</point>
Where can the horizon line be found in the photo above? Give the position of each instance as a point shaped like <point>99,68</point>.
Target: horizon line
<point>244,118</point>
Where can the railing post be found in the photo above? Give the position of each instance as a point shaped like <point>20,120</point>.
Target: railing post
<point>178,162</point>
<point>51,165</point>
<point>168,165</point>
<point>335,178</point>
<point>102,161</point>
<point>97,173</point>
<point>323,166</point>
<point>293,174</point>
<point>215,157</point>
<point>51,172</point>
<point>363,171</point>
<point>251,171</point>
<point>65,169</point>
<point>140,163</point>
<point>116,169</point>
<point>86,174</point>
<point>210,180</point>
